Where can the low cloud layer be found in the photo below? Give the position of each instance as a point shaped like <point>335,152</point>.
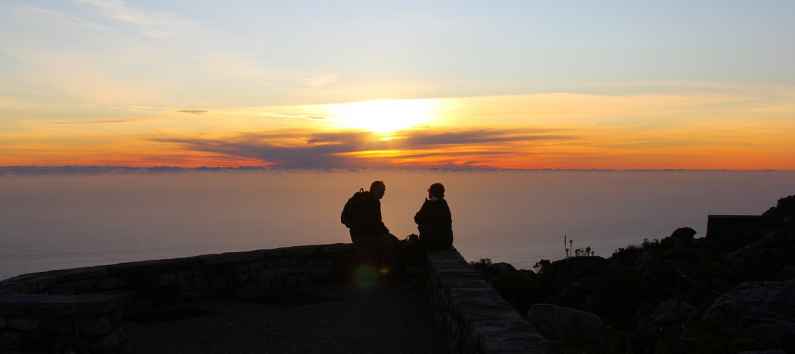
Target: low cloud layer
<point>363,149</point>
<point>480,137</point>
<point>193,111</point>
<point>102,170</point>
<point>102,121</point>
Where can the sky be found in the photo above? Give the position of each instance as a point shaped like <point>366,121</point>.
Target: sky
<point>349,84</point>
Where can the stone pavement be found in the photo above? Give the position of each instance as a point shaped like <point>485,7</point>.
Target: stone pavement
<point>381,319</point>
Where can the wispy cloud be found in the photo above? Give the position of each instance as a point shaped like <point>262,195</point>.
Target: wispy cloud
<point>283,115</point>
<point>63,17</point>
<point>101,121</point>
<point>482,136</point>
<point>101,170</point>
<point>152,24</point>
<point>193,111</point>
<point>363,149</point>
<point>321,80</point>
<point>315,152</point>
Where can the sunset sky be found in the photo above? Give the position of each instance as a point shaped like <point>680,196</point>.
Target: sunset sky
<point>346,84</point>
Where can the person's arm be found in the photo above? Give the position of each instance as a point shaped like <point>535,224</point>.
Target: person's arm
<point>380,220</point>
<point>421,215</point>
<point>448,216</point>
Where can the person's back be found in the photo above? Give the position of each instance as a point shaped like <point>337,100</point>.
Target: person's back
<point>371,239</point>
<point>366,221</point>
<point>434,220</point>
<point>362,214</point>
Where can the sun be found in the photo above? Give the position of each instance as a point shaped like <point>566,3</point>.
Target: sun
<point>383,116</point>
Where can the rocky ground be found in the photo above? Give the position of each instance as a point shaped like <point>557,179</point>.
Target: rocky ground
<point>380,319</point>
<point>680,294</point>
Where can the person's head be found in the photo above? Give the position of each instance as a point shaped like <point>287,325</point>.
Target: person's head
<point>436,190</point>
<point>378,188</point>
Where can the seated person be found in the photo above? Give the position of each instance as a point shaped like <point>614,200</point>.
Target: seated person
<point>362,215</point>
<point>434,221</point>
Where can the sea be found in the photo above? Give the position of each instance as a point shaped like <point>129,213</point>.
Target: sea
<point>63,220</point>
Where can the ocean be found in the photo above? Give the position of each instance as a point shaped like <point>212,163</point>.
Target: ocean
<point>54,221</point>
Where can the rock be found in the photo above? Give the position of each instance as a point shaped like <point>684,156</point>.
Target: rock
<point>251,291</point>
<point>662,328</point>
<point>567,324</point>
<point>672,312</point>
<point>756,314</point>
<point>684,234</point>
<point>766,258</point>
<point>9,340</point>
<point>95,326</point>
<point>501,267</point>
<point>23,324</point>
<point>106,284</point>
<point>565,271</point>
<point>112,343</point>
<point>493,270</point>
<point>783,212</point>
<point>786,273</point>
<point>775,243</point>
<point>58,326</point>
<point>754,301</point>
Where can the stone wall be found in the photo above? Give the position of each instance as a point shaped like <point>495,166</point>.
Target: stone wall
<point>62,323</point>
<point>474,316</point>
<point>80,310</point>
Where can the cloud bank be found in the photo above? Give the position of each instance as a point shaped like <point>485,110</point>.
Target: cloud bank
<point>364,149</point>
<point>193,111</point>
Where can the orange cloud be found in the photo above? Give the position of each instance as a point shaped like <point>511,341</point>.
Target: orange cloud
<point>572,131</point>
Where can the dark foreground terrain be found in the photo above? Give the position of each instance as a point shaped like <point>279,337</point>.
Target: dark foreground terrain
<point>380,319</point>
<point>730,292</point>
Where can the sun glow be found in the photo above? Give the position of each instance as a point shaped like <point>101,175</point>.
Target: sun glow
<point>383,116</point>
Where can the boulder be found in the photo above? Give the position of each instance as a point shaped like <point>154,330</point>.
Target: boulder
<point>672,312</point>
<point>563,272</point>
<point>756,315</point>
<point>502,267</point>
<point>783,213</point>
<point>786,273</point>
<point>662,328</point>
<point>683,235</point>
<point>566,324</point>
<point>766,258</point>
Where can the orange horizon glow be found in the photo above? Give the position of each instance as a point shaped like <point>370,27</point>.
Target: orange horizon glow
<point>536,131</point>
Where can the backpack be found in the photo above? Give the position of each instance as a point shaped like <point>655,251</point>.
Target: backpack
<point>353,207</point>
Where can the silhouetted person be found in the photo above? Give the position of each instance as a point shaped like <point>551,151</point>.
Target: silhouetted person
<point>434,220</point>
<point>362,215</point>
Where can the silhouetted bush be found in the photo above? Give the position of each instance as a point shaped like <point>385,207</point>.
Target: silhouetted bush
<point>628,289</point>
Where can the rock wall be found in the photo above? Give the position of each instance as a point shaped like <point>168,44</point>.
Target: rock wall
<point>475,317</point>
<point>62,323</point>
<point>80,310</point>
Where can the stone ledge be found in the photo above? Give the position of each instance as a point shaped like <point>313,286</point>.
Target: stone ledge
<point>192,271</point>
<point>62,323</point>
<point>82,309</point>
<point>34,304</point>
<point>475,317</point>
<point>43,310</point>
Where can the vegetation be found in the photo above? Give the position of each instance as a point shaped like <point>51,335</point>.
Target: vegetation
<point>652,297</point>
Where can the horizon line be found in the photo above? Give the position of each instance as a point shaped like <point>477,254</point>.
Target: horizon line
<point>24,170</point>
